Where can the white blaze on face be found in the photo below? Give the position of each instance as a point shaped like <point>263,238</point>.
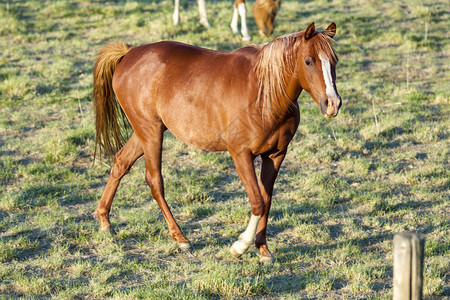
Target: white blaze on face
<point>326,69</point>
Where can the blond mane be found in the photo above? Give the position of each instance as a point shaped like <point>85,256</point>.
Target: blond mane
<point>276,63</point>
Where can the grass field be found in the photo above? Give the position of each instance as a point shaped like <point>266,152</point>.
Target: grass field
<point>346,187</point>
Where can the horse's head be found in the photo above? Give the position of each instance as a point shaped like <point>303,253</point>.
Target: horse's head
<point>317,68</point>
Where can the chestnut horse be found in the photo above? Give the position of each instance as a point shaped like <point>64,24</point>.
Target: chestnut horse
<point>243,102</point>
<point>264,12</point>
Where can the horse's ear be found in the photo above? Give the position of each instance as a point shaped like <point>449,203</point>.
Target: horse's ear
<point>309,32</point>
<point>331,30</point>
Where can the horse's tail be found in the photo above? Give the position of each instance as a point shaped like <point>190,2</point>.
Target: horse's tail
<point>110,120</point>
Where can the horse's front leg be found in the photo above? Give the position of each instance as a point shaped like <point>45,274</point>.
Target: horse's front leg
<point>246,171</point>
<point>269,171</point>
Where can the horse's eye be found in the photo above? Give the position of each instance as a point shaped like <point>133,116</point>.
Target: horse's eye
<point>308,62</point>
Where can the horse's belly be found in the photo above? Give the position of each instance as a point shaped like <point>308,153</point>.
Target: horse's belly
<point>203,142</point>
<point>197,129</point>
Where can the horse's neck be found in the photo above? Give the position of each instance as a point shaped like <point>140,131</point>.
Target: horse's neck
<point>278,85</point>
<point>292,90</point>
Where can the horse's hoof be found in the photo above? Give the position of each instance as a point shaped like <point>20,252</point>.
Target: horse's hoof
<point>246,38</point>
<point>107,229</point>
<point>185,248</point>
<point>266,259</point>
<point>235,254</point>
<point>238,248</point>
<point>205,24</point>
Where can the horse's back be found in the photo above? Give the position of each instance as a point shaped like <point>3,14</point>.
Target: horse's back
<point>150,59</point>
<point>190,89</point>
<point>173,65</point>
<point>156,72</point>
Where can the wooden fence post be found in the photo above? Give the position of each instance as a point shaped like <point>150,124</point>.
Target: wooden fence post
<point>408,266</point>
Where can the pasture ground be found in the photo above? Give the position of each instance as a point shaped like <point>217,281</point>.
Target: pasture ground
<point>347,185</point>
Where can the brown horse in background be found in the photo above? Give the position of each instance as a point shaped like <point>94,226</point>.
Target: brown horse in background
<point>264,12</point>
<point>243,102</point>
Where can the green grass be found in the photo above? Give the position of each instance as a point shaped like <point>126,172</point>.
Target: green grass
<point>347,186</point>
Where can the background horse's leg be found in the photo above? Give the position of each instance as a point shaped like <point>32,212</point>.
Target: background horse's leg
<point>240,9</point>
<point>123,161</point>
<point>176,13</point>
<point>203,16</point>
<point>153,177</point>
<point>234,20</point>
<point>269,171</point>
<point>246,171</point>
<point>243,13</point>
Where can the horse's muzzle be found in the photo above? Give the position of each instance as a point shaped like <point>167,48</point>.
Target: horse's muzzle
<point>330,107</point>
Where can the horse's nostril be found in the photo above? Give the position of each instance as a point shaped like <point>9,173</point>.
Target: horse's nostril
<point>326,102</point>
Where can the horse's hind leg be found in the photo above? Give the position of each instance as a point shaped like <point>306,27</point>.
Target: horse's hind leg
<point>152,150</point>
<point>123,161</point>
